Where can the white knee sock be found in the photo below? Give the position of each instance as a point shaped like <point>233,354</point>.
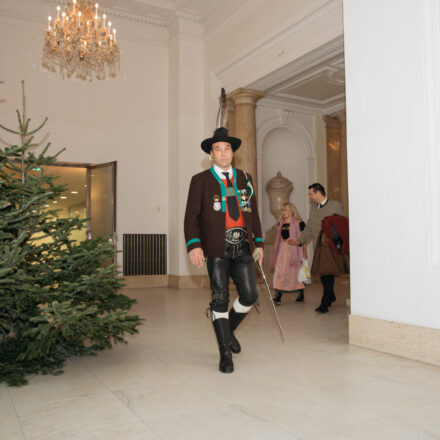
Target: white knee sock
<point>217,315</point>
<point>239,308</point>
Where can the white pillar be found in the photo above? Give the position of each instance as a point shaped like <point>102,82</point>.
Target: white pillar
<point>393,138</point>
<point>185,131</point>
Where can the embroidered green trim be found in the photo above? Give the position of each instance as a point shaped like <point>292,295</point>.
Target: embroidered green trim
<point>194,240</point>
<point>223,188</point>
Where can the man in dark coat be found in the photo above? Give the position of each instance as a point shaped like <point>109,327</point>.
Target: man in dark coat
<point>324,208</point>
<point>222,226</point>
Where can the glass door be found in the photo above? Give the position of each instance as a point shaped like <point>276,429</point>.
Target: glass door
<point>101,182</point>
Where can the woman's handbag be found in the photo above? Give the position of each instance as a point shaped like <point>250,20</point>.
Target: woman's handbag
<point>304,273</point>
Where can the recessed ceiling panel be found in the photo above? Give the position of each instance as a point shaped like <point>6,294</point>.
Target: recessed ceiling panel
<point>317,88</point>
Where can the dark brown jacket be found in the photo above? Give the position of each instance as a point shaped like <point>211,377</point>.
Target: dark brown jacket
<point>204,226</point>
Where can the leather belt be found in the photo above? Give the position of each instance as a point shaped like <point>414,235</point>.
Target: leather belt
<point>235,235</point>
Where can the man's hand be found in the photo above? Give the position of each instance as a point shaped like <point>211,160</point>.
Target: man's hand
<point>293,242</point>
<point>197,257</point>
<point>258,255</point>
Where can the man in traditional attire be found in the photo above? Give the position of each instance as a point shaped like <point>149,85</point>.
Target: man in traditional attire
<point>324,208</point>
<point>222,225</point>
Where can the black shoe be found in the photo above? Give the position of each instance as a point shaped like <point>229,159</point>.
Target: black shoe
<point>277,299</point>
<point>321,309</point>
<point>235,320</point>
<point>223,334</point>
<point>300,297</point>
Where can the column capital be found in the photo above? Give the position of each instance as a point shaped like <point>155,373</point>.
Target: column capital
<point>341,115</point>
<point>245,96</point>
<point>331,121</point>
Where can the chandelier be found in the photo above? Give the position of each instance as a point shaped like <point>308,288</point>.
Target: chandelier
<point>79,43</point>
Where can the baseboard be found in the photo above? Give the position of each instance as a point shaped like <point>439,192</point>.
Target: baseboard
<point>409,341</point>
<point>139,281</point>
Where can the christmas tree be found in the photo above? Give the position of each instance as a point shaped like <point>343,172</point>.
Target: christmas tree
<point>57,298</point>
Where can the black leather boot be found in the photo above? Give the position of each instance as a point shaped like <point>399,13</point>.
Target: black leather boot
<point>300,297</point>
<point>235,320</point>
<point>277,299</point>
<point>223,334</point>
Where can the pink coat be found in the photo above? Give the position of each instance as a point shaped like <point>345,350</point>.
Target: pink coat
<point>296,252</point>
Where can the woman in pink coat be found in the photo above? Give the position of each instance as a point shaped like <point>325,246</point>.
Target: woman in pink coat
<point>287,258</point>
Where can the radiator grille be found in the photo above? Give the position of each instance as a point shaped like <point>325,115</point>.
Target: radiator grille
<point>145,254</point>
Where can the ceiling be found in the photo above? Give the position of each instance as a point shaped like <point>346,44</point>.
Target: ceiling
<point>313,83</point>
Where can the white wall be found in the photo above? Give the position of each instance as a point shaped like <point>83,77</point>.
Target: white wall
<point>392,86</point>
<point>123,119</point>
<point>282,151</point>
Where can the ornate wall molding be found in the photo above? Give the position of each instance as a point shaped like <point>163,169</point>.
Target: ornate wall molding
<point>188,16</point>
<point>306,106</point>
<point>330,50</point>
<point>147,19</point>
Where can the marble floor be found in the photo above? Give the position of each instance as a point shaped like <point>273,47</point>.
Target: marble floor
<point>165,383</point>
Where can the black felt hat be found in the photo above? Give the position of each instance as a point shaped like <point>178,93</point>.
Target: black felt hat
<point>220,135</point>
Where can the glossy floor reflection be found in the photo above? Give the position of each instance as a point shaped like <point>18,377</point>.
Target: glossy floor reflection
<point>165,383</point>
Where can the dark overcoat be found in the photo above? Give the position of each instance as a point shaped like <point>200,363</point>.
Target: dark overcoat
<point>205,226</point>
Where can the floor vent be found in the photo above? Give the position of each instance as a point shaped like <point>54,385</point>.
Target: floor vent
<point>145,254</point>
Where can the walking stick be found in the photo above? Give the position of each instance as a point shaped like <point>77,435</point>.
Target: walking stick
<point>270,297</point>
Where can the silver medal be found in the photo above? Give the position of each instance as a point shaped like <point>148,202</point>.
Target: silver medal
<point>217,205</point>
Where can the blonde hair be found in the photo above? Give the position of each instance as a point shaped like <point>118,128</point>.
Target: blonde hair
<point>292,209</point>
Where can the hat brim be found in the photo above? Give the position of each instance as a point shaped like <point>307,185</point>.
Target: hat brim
<point>207,143</point>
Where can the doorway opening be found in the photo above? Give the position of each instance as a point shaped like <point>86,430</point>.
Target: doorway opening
<point>90,193</point>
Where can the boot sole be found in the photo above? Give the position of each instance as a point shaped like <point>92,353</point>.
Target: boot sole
<point>226,370</point>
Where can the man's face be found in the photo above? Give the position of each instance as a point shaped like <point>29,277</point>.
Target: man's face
<point>222,154</point>
<point>315,197</point>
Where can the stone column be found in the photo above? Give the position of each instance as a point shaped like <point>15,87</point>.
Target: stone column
<point>333,153</point>
<point>336,140</point>
<point>245,101</point>
<point>344,166</point>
